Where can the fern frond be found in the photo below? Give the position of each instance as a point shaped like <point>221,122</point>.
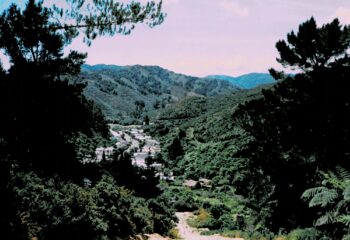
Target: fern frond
<point>345,219</point>
<point>335,180</point>
<point>346,192</point>
<point>328,218</point>
<point>324,198</point>
<point>341,205</point>
<point>309,193</point>
<point>343,173</point>
<point>346,237</point>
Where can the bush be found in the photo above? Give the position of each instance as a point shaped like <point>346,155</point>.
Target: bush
<point>304,234</point>
<point>237,234</point>
<point>202,219</point>
<point>174,233</point>
<point>52,209</point>
<point>163,214</point>
<point>182,199</point>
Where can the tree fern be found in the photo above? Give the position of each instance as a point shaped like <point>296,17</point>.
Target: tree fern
<point>333,201</point>
<point>313,191</point>
<point>324,198</point>
<point>325,219</point>
<point>346,237</point>
<point>343,173</point>
<point>345,219</point>
<point>346,192</point>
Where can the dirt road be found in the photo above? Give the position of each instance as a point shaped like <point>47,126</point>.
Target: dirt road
<point>189,233</point>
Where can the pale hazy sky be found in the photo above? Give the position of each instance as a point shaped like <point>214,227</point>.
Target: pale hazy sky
<point>202,37</point>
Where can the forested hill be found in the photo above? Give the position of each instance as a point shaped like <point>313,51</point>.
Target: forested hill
<point>116,89</point>
<point>205,130</point>
<point>247,81</point>
<point>200,108</point>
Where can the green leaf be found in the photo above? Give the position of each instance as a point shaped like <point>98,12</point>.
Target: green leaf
<point>345,219</point>
<point>324,198</point>
<point>346,192</point>
<point>325,219</point>
<point>313,191</point>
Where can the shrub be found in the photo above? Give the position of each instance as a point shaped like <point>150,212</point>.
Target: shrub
<point>304,234</point>
<point>49,208</point>
<point>174,233</point>
<point>201,220</point>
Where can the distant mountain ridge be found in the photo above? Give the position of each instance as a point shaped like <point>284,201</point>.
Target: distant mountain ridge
<point>99,67</point>
<point>116,89</point>
<point>247,81</point>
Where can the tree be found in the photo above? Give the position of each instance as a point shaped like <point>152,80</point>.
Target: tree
<point>104,17</point>
<point>314,47</point>
<point>332,200</point>
<point>163,214</point>
<point>299,127</point>
<point>146,120</point>
<point>35,93</point>
<point>47,125</point>
<point>175,149</point>
<point>139,107</point>
<point>53,209</point>
<point>27,38</point>
<point>38,34</point>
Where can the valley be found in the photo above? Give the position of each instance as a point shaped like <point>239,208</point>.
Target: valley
<point>181,145</point>
<point>109,152</point>
<point>116,90</point>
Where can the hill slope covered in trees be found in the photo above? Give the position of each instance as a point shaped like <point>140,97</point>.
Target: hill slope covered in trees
<point>247,81</point>
<point>116,89</point>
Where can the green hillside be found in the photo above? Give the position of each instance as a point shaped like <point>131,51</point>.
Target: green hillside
<point>115,89</point>
<point>202,124</point>
<point>98,67</point>
<point>247,81</point>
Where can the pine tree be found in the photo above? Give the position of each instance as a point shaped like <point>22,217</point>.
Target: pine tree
<point>300,126</point>
<point>314,47</point>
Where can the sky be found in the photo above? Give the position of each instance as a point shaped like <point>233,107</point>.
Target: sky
<point>205,37</point>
